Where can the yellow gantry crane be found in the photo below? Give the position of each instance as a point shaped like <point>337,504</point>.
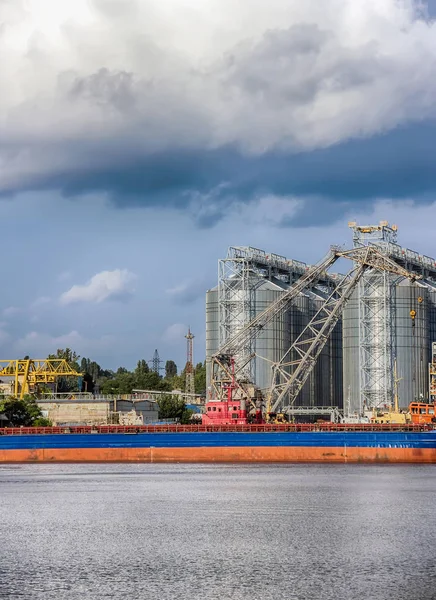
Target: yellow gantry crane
<point>28,373</point>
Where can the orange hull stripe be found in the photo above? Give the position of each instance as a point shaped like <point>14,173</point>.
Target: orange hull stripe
<point>223,454</point>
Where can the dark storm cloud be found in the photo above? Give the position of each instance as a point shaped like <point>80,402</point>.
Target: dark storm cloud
<point>396,165</point>
<point>105,87</point>
<point>270,111</point>
<point>292,66</point>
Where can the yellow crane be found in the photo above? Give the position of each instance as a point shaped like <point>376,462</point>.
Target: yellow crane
<point>28,373</point>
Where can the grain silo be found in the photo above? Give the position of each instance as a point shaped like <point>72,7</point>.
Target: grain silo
<point>389,325</point>
<point>250,280</point>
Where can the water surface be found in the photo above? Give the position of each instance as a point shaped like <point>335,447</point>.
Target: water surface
<point>222,532</point>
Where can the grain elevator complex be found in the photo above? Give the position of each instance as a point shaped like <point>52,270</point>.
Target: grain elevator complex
<point>381,346</point>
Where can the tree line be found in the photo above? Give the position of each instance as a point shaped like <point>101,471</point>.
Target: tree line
<point>97,380</point>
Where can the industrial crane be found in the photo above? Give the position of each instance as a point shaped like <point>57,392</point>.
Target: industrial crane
<point>28,373</point>
<point>289,376</point>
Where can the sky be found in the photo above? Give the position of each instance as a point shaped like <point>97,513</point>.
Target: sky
<point>141,138</point>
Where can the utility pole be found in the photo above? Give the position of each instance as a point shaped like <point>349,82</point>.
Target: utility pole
<point>189,369</point>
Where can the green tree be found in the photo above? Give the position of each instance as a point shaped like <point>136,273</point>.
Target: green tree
<point>200,378</point>
<point>170,369</point>
<point>94,376</point>
<point>122,383</point>
<point>142,367</point>
<point>142,375</point>
<point>23,412</point>
<point>16,412</point>
<point>69,355</point>
<point>84,365</point>
<point>172,407</point>
<point>94,370</point>
<point>67,384</point>
<point>42,422</point>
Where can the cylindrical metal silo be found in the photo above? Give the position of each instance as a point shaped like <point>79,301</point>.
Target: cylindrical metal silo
<point>336,366</point>
<point>271,344</point>
<point>321,375</point>
<point>431,308</point>
<point>351,356</point>
<point>324,385</point>
<point>299,316</point>
<point>212,330</point>
<point>411,342</point>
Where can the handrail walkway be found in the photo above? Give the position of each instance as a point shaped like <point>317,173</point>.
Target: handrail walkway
<point>266,428</point>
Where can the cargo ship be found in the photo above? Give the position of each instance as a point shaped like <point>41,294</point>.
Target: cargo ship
<point>229,433</point>
<point>264,443</point>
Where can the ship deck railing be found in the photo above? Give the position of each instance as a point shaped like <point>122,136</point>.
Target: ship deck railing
<point>176,428</point>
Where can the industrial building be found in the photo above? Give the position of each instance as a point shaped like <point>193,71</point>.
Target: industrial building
<point>389,322</point>
<point>86,409</point>
<point>388,325</point>
<point>250,280</point>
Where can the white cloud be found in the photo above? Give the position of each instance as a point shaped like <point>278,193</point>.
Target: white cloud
<point>181,288</point>
<point>41,301</point>
<point>175,333</point>
<point>38,344</point>
<point>283,73</point>
<point>103,286</point>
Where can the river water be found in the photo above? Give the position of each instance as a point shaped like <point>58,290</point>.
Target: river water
<point>217,532</point>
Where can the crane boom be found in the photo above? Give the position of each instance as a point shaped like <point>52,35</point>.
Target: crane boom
<point>225,379</point>
<point>256,325</point>
<point>289,376</point>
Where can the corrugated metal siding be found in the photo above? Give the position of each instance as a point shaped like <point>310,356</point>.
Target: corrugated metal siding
<point>351,349</point>
<point>431,307</point>
<point>324,386</point>
<point>271,344</point>
<point>212,330</point>
<point>411,343</point>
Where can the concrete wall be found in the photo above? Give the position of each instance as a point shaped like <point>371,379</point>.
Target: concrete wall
<point>97,412</point>
<point>146,408</point>
<point>83,413</point>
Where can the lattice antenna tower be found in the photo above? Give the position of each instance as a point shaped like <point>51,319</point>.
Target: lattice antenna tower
<point>189,369</point>
<point>156,362</point>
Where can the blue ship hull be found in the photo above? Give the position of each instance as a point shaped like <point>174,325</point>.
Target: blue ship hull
<point>222,446</point>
